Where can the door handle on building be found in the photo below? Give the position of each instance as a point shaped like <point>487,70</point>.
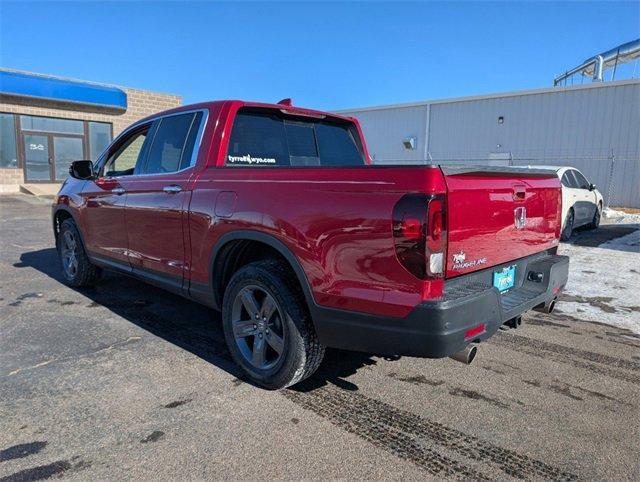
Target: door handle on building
<point>118,190</point>
<point>172,189</point>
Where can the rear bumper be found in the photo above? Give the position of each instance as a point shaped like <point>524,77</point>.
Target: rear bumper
<point>436,329</point>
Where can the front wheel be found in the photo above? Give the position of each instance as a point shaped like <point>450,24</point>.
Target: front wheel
<point>568,227</point>
<point>267,326</point>
<point>596,217</point>
<point>77,270</point>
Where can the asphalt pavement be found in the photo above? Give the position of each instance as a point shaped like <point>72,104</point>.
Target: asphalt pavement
<point>126,381</point>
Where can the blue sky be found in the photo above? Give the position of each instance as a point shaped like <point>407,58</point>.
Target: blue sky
<point>324,55</point>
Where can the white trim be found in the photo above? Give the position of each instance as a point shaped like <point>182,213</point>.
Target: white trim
<point>427,135</point>
<point>135,125</point>
<point>546,90</point>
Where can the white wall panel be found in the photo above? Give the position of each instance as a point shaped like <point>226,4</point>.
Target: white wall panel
<point>583,127</point>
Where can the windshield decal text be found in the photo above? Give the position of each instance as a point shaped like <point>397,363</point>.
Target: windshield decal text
<point>249,159</point>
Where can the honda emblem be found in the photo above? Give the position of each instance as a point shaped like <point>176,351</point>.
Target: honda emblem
<point>520,217</point>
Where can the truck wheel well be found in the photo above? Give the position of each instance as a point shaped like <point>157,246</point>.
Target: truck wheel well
<point>236,254</point>
<point>59,218</point>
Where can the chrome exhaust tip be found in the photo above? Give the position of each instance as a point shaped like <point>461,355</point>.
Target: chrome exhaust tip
<point>467,354</point>
<point>547,308</point>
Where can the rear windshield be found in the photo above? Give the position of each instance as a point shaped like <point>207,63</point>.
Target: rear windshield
<point>269,138</point>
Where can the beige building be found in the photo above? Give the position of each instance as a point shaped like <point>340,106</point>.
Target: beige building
<point>46,121</point>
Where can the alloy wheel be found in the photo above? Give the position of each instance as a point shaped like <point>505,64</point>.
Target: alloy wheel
<point>258,327</point>
<point>69,254</point>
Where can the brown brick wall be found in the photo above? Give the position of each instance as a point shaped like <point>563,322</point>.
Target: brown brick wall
<point>140,103</point>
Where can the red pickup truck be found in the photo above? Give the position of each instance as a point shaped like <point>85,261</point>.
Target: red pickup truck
<point>273,215</point>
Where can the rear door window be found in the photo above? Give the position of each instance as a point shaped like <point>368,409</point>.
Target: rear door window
<point>267,138</point>
<point>170,150</point>
<point>568,180</point>
<point>581,181</point>
<point>190,151</point>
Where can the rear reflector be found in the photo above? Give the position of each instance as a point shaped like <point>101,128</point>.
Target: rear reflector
<point>473,332</point>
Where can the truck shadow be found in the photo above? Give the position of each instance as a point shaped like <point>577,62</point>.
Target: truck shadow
<point>183,323</point>
<point>606,232</point>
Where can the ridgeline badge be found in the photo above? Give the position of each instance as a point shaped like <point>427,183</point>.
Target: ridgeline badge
<point>459,261</point>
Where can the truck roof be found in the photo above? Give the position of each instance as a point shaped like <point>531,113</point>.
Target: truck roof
<point>243,103</point>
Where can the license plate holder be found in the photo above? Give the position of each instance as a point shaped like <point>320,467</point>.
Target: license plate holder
<point>505,278</point>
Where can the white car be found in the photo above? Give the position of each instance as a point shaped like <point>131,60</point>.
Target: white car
<point>581,201</point>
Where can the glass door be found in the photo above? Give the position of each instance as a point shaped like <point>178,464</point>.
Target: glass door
<point>47,145</point>
<point>37,159</point>
<point>47,156</point>
<point>65,150</point>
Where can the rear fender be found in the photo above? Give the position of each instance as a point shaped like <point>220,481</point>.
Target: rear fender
<point>271,241</point>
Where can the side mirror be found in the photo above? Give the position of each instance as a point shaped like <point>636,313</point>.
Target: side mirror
<point>82,170</point>
<point>592,187</point>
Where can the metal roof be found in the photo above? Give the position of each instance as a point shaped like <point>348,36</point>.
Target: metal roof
<point>545,90</point>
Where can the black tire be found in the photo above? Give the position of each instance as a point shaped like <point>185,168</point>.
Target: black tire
<point>84,272</point>
<point>300,351</point>
<point>596,218</point>
<point>568,227</point>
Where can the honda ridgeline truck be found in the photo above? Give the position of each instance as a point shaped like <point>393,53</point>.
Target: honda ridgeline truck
<point>273,215</point>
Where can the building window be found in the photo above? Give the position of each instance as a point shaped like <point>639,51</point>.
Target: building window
<point>50,124</point>
<point>44,146</point>
<point>99,138</point>
<point>8,154</point>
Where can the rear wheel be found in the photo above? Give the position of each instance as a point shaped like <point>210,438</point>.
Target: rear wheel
<point>77,270</point>
<point>568,227</point>
<point>596,217</point>
<point>267,326</point>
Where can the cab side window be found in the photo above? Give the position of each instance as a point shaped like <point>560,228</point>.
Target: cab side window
<point>173,143</point>
<point>122,161</point>
<point>568,180</point>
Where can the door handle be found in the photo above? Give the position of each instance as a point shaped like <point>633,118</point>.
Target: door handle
<point>172,189</point>
<point>118,190</point>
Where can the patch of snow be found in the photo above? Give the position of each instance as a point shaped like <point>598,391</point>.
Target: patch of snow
<point>605,282</point>
<point>611,216</point>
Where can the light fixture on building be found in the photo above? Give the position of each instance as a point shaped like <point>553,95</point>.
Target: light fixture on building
<point>409,143</point>
<point>501,120</point>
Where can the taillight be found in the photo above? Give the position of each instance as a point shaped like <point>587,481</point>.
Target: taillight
<point>420,234</point>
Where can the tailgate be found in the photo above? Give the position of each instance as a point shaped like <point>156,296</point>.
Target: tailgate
<point>499,214</point>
